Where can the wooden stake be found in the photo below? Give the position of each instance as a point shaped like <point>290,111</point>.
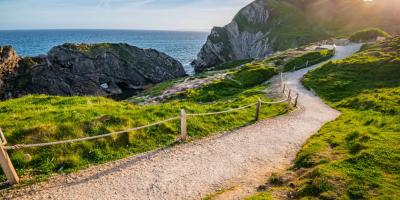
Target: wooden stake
<point>6,163</point>
<point>284,88</point>
<point>295,101</point>
<point>183,125</point>
<point>258,110</point>
<point>289,99</point>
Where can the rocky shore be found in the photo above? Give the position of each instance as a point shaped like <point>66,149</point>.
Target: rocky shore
<point>82,69</point>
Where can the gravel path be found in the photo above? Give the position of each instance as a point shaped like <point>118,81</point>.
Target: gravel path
<point>238,160</point>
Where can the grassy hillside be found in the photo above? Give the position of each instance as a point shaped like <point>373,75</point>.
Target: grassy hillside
<point>356,156</point>
<point>288,25</point>
<point>293,23</point>
<point>308,59</point>
<point>368,35</point>
<point>39,118</point>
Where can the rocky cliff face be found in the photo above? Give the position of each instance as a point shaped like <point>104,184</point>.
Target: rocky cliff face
<point>266,26</point>
<point>233,42</point>
<point>100,69</point>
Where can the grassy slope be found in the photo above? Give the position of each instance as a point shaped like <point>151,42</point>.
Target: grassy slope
<point>358,155</point>
<point>368,35</point>
<point>308,59</point>
<point>40,118</point>
<point>293,23</point>
<point>288,26</point>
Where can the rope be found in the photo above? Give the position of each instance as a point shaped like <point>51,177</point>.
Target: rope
<point>222,112</point>
<point>276,102</point>
<point>22,146</point>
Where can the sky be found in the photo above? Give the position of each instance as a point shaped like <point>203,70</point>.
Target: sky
<point>188,15</point>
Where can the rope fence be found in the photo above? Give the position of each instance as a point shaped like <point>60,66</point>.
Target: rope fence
<point>23,146</point>
<point>13,178</point>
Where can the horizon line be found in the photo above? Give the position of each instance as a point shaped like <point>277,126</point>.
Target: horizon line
<point>107,29</point>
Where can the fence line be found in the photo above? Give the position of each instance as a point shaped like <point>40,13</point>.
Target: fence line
<point>21,146</point>
<point>13,178</point>
<point>222,112</point>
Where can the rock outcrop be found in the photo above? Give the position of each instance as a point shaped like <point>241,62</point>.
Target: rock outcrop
<point>8,64</point>
<point>234,41</point>
<point>267,26</point>
<point>81,69</point>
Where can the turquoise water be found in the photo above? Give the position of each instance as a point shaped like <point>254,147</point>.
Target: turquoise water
<point>183,46</point>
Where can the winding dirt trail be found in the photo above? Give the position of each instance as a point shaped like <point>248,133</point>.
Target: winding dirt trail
<point>240,160</point>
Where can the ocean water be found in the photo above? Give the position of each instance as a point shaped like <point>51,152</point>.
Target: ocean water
<point>183,46</point>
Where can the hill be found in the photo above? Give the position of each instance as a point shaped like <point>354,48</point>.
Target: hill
<point>266,26</point>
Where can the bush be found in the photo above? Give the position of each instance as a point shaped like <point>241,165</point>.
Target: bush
<point>275,179</point>
<point>368,35</point>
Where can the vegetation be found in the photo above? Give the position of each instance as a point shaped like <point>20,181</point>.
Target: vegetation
<point>261,196</point>
<point>356,156</point>
<point>292,23</point>
<point>40,118</point>
<point>239,81</point>
<point>368,35</point>
<point>308,59</point>
<point>231,64</point>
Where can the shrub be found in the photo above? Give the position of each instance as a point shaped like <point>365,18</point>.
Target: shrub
<point>275,179</point>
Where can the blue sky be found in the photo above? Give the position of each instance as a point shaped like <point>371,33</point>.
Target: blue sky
<point>118,14</point>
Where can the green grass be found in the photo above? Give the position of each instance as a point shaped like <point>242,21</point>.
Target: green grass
<point>368,35</point>
<point>239,81</point>
<point>158,89</point>
<point>308,59</point>
<point>231,64</point>
<point>261,196</point>
<point>41,118</point>
<point>356,156</point>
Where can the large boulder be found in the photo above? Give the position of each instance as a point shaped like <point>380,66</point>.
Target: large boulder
<point>82,69</point>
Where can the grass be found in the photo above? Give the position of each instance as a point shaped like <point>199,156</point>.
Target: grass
<point>356,156</point>
<point>308,59</point>
<point>158,89</point>
<point>261,196</point>
<point>231,64</point>
<point>41,118</point>
<point>368,35</point>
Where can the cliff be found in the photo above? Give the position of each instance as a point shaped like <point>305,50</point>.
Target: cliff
<point>267,26</point>
<point>81,69</point>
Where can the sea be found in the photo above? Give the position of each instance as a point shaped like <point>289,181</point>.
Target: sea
<point>181,45</point>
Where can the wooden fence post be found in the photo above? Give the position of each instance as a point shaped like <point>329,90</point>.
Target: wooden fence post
<point>289,99</point>
<point>258,107</point>
<point>183,125</point>
<point>284,88</point>
<point>295,101</point>
<point>6,163</point>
